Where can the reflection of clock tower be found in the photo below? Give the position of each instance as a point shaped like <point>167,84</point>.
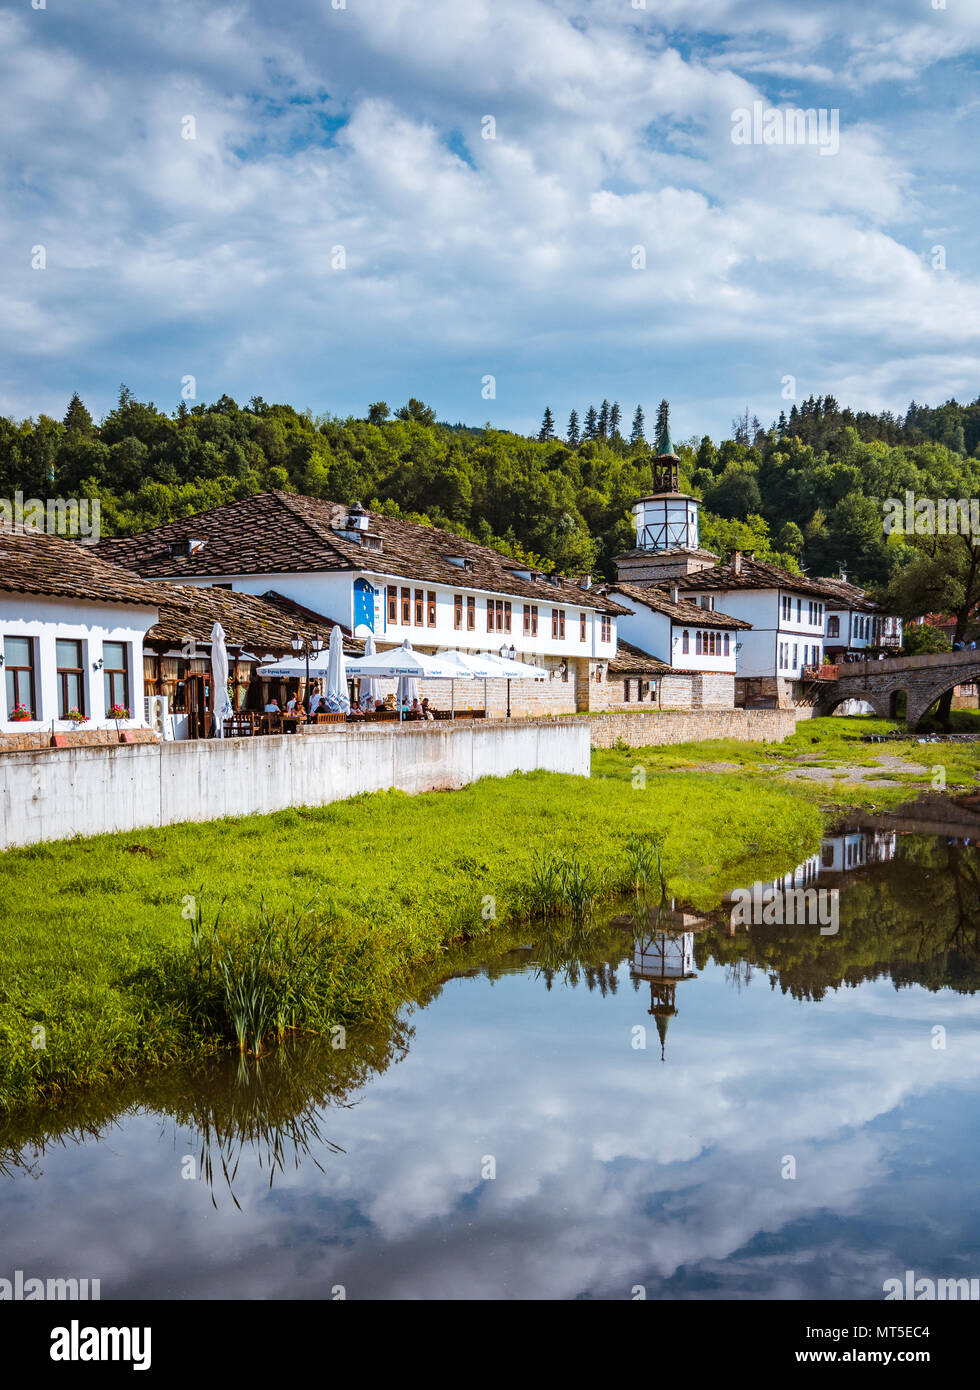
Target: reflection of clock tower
<point>663,960</point>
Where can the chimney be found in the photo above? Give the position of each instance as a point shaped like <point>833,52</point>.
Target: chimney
<point>586,581</point>
<point>736,562</point>
<point>675,594</point>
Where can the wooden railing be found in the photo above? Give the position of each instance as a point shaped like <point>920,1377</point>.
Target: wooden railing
<point>821,673</point>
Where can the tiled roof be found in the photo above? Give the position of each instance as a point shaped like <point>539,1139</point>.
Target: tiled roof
<point>261,625</point>
<point>630,661</point>
<point>657,597</point>
<point>841,594</point>
<point>637,553</point>
<point>283,532</point>
<point>31,563</point>
<point>755,574</point>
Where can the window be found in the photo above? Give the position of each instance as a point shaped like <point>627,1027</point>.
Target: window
<point>686,642</point>
<point>507,616</point>
<point>430,609</point>
<point>727,651</point>
<point>799,610</point>
<point>419,607</point>
<point>18,655</point>
<point>698,643</point>
<point>626,692</point>
<point>833,627</point>
<point>530,620</point>
<point>606,628</point>
<point>787,608</point>
<point>470,612</point>
<point>495,615</point>
<point>392,603</point>
<point>558,623</point>
<point>71,677</point>
<point>115,673</point>
<point>796,651</point>
<point>582,633</point>
<point>457,610</point>
<point>406,607</point>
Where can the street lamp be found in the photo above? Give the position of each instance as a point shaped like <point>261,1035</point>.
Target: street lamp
<point>508,653</point>
<point>309,646</point>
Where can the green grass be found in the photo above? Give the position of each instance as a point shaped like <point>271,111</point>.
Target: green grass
<point>97,943</point>
<point>835,742</point>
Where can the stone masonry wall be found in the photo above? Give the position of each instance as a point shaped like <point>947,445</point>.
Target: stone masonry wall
<point>655,727</point>
<point>75,738</point>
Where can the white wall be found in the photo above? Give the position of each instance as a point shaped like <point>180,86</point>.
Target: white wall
<point>656,634</point>
<point>51,794</point>
<point>333,596</point>
<point>759,655</point>
<point>47,620</point>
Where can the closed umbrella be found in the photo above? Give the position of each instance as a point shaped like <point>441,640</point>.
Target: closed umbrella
<point>220,703</point>
<point>337,698</point>
<point>370,686</point>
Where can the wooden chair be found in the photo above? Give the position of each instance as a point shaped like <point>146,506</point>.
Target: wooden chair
<point>331,717</point>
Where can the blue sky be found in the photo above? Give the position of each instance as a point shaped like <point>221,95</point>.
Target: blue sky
<point>362,127</point>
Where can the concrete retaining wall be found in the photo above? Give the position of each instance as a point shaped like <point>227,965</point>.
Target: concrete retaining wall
<point>652,728</point>
<point>50,794</point>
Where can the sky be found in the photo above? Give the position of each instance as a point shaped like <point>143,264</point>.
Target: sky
<point>493,205</point>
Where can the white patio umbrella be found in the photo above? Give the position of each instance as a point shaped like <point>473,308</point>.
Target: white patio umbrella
<point>220,703</point>
<point>337,698</point>
<point>405,664</point>
<point>471,665</point>
<point>292,668</point>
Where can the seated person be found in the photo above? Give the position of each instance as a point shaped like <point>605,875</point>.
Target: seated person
<point>273,707</point>
<point>355,711</point>
<point>368,704</point>
<point>414,711</point>
<point>426,711</point>
<point>291,704</point>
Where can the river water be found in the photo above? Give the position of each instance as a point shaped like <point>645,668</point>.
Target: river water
<point>660,1103</point>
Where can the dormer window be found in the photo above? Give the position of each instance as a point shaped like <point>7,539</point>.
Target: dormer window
<point>187,545</point>
<point>369,542</point>
<point>461,562</point>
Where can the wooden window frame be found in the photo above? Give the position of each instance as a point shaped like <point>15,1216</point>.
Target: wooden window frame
<point>420,608</point>
<point>470,612</point>
<point>406,607</point>
<point>109,675</point>
<point>64,672</point>
<point>17,671</point>
<point>458,611</point>
<point>393,604</point>
<point>430,608</point>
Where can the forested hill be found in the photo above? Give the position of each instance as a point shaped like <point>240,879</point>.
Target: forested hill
<point>807,491</point>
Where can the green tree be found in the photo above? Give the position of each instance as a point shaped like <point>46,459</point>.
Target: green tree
<point>662,442</point>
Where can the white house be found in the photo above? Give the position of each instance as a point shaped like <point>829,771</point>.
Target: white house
<point>857,627</point>
<point>394,579</point>
<point>71,639</point>
<point>687,637</point>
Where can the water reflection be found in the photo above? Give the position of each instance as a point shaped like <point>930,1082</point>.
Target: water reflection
<point>363,1168</point>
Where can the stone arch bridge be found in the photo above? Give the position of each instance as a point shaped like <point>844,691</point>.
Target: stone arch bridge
<point>921,679</point>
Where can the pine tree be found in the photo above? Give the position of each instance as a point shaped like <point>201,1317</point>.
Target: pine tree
<point>615,417</point>
<point>662,439</point>
<point>603,426</point>
<point>77,417</point>
<point>591,430</point>
<point>636,433</point>
<point>573,430</point>
<point>547,430</point>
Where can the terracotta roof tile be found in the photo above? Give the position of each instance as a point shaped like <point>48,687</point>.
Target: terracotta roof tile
<point>756,574</point>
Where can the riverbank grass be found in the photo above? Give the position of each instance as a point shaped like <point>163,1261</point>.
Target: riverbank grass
<point>112,948</point>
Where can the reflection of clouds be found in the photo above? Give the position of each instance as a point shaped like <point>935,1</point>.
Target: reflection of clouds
<point>612,1168</point>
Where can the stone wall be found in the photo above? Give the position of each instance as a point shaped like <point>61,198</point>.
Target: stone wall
<point>653,728</point>
<point>54,793</point>
<point>74,738</point>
